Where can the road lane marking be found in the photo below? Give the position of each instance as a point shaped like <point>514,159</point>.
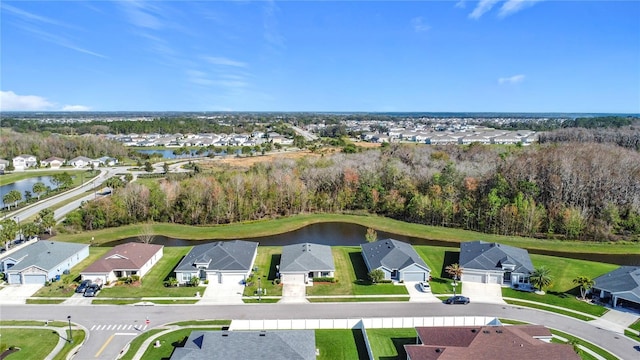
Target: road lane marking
<point>93,327</point>
<point>128,334</point>
<point>104,346</point>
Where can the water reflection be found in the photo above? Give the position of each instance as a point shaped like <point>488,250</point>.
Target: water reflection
<point>346,234</point>
<point>25,185</point>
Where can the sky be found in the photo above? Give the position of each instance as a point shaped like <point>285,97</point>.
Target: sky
<point>339,56</point>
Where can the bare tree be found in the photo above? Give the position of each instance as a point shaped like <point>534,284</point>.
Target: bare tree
<point>146,235</point>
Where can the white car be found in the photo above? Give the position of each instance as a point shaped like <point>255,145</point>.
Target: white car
<point>424,286</point>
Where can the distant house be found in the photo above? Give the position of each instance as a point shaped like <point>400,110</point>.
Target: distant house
<point>123,261</point>
<point>302,262</point>
<point>80,161</point>
<point>22,162</point>
<point>42,261</point>
<point>52,162</point>
<point>248,345</point>
<point>219,262</point>
<point>107,161</point>
<point>522,342</point>
<point>494,263</point>
<point>398,260</point>
<point>619,287</point>
<point>4,164</point>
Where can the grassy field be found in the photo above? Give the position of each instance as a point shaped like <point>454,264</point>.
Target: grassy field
<point>152,283</point>
<point>34,343</point>
<point>340,345</point>
<point>351,273</point>
<point>361,299</point>
<point>388,344</point>
<point>437,258</point>
<point>137,342</point>
<point>282,225</point>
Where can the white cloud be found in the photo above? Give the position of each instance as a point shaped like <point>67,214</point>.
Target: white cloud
<point>271,33</point>
<point>461,4</point>
<point>215,60</point>
<point>513,6</point>
<point>515,79</point>
<point>75,108</point>
<point>10,101</point>
<point>418,25</point>
<point>482,7</point>
<point>140,14</point>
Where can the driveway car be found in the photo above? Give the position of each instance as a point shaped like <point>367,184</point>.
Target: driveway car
<point>92,290</point>
<point>459,299</point>
<point>83,286</point>
<point>424,286</point>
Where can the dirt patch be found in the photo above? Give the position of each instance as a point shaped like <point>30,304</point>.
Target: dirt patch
<point>8,352</point>
<point>365,144</point>
<point>246,162</point>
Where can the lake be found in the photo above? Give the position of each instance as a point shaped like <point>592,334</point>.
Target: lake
<point>25,185</point>
<point>347,234</point>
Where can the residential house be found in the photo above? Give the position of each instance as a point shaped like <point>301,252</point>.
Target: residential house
<point>80,161</point>
<point>248,345</point>
<point>522,342</point>
<point>619,287</point>
<point>122,261</point>
<point>52,162</point>
<point>22,162</point>
<point>4,164</point>
<point>300,263</point>
<point>398,260</point>
<point>219,262</point>
<point>494,263</point>
<point>42,261</point>
<point>107,161</point>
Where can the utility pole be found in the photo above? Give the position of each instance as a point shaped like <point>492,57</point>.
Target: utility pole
<point>70,334</point>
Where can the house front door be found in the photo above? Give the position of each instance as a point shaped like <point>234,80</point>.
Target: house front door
<point>507,277</point>
<point>202,274</point>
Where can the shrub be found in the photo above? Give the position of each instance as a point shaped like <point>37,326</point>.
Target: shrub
<point>135,277</point>
<point>171,282</point>
<point>276,281</point>
<point>195,281</point>
<point>324,279</point>
<point>376,275</point>
<point>385,281</point>
<point>206,282</point>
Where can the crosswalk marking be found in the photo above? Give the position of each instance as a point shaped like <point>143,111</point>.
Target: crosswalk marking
<point>117,327</point>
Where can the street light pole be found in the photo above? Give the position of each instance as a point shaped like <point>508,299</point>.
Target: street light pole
<point>259,290</point>
<point>70,334</point>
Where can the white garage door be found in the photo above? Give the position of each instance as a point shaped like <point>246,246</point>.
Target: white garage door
<point>14,278</point>
<point>292,278</point>
<point>473,278</point>
<point>35,279</point>
<point>414,276</point>
<point>231,278</point>
<point>494,279</point>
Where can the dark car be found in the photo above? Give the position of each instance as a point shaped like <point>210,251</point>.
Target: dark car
<point>457,300</point>
<point>92,290</point>
<point>83,286</point>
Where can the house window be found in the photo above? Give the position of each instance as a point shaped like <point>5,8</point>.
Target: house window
<point>186,277</point>
<point>324,274</point>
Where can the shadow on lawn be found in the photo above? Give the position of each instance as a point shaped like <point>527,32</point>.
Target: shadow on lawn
<point>172,273</point>
<point>399,344</point>
<point>275,260</point>
<point>450,257</point>
<point>360,268</point>
<point>358,337</point>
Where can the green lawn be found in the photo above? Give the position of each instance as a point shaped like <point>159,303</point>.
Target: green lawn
<point>575,340</point>
<point>341,345</point>
<point>21,175</point>
<point>542,306</point>
<point>168,342</point>
<point>137,342</point>
<point>34,343</point>
<point>202,322</point>
<point>437,258</point>
<point>152,283</point>
<point>266,260</point>
<point>388,344</point>
<point>286,224</point>
<point>355,299</point>
<point>635,325</point>
<point>68,283</point>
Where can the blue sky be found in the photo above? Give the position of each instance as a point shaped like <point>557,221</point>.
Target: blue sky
<point>489,55</point>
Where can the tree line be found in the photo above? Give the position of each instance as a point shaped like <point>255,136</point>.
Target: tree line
<point>575,191</point>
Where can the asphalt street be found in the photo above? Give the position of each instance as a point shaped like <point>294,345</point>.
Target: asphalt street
<point>127,321</point>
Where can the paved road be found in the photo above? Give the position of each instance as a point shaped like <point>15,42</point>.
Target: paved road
<point>114,326</point>
<point>307,135</point>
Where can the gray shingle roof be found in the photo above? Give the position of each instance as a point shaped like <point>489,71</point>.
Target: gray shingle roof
<point>221,255</point>
<point>623,282</point>
<point>44,254</point>
<point>483,255</point>
<point>249,345</point>
<point>306,257</point>
<point>391,254</point>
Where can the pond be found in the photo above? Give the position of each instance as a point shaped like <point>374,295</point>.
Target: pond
<point>347,234</point>
<point>25,185</point>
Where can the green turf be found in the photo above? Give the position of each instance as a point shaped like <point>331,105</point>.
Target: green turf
<point>266,260</point>
<point>137,342</point>
<point>32,323</point>
<point>34,343</point>
<point>635,325</point>
<point>340,344</point>
<point>202,322</point>
<point>550,309</point>
<point>44,301</point>
<point>388,344</point>
<point>354,299</point>
<point>168,342</point>
<point>437,258</point>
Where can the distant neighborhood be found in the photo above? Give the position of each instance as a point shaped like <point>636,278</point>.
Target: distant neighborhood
<point>25,161</point>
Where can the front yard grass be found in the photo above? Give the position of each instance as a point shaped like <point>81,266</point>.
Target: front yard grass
<point>437,258</point>
<point>360,299</point>
<point>542,306</point>
<point>635,325</point>
<point>168,342</point>
<point>33,343</point>
<point>340,345</point>
<point>266,260</point>
<point>352,277</point>
<point>152,284</point>
<point>388,344</point>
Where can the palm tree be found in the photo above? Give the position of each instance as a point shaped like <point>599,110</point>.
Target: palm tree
<point>585,284</point>
<point>454,270</point>
<point>39,188</point>
<point>12,196</point>
<point>540,278</point>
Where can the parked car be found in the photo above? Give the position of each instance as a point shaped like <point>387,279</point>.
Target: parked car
<point>83,286</point>
<point>424,286</point>
<point>92,290</point>
<point>458,299</point>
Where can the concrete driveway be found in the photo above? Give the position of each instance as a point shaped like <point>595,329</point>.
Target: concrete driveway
<point>483,293</point>
<point>416,295</point>
<point>220,294</point>
<point>293,293</point>
<point>78,299</point>
<point>17,294</point>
